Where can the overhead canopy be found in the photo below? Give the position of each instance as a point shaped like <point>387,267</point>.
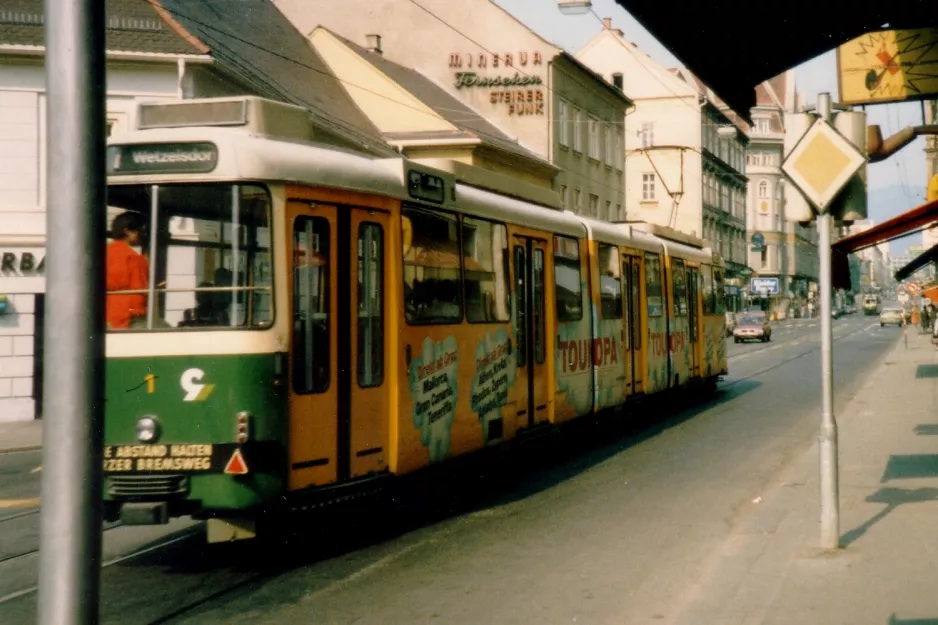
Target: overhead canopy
<point>732,59</point>
<point>899,226</point>
<point>920,261</point>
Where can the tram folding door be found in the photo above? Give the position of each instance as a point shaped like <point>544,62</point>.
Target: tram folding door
<point>339,395</point>
<point>694,309</point>
<point>632,290</point>
<point>529,268</point>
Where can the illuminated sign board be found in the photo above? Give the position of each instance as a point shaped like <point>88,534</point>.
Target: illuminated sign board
<point>162,158</point>
<point>423,186</point>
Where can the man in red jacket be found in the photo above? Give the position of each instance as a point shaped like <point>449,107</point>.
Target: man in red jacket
<point>127,270</point>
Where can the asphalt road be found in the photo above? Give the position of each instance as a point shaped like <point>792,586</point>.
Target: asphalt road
<point>608,525</point>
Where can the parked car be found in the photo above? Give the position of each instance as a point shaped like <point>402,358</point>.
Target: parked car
<point>730,323</point>
<point>751,327</point>
<point>891,316</point>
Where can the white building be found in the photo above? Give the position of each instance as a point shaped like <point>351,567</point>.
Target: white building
<point>875,262</point>
<point>778,248</point>
<point>529,88</point>
<point>682,170</point>
<point>152,55</point>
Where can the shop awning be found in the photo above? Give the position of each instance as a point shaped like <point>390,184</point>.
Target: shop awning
<point>917,263</point>
<point>900,226</point>
<point>903,225</point>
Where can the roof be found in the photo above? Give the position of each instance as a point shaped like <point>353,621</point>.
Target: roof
<point>132,26</point>
<point>734,60</point>
<point>258,45</point>
<point>448,107</point>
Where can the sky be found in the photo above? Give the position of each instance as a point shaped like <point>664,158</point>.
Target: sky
<point>898,181</point>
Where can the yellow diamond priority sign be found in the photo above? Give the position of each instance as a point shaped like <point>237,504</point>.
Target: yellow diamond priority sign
<point>822,163</point>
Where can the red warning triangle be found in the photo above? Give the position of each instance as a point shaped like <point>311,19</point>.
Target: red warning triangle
<point>236,465</point>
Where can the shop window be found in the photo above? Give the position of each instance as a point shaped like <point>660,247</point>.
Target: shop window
<point>432,293</point>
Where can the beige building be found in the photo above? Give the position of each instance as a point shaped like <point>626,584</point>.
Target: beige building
<point>421,119</point>
<point>684,157</point>
<point>530,89</point>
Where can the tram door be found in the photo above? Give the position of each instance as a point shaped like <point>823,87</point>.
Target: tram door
<point>693,306</point>
<point>338,395</point>
<point>632,275</point>
<point>528,268</point>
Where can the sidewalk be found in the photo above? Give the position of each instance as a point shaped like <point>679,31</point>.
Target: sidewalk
<point>20,436</point>
<point>772,571</point>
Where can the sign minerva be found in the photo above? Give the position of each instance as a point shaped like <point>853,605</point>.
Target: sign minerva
<point>517,94</point>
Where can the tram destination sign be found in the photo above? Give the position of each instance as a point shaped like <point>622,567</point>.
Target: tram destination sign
<point>161,158</point>
<point>426,186</point>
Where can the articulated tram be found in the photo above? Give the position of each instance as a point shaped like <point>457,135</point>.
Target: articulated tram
<point>319,320</point>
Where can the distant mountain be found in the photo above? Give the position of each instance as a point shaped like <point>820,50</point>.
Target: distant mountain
<point>887,202</point>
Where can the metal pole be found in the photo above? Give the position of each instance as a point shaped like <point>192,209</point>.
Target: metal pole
<point>70,518</point>
<point>827,439</point>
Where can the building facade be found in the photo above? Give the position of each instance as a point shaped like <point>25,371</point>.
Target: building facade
<point>682,170</point>
<point>874,271</point>
<point>778,248</point>
<point>532,90</point>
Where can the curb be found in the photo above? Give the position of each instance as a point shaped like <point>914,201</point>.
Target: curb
<point>16,450</point>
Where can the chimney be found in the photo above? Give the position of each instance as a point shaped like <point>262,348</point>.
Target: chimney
<point>607,23</point>
<point>373,43</point>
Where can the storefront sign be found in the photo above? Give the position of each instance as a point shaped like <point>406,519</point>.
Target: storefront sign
<point>468,80</point>
<point>165,158</point>
<point>521,101</point>
<point>23,263</point>
<point>506,59</point>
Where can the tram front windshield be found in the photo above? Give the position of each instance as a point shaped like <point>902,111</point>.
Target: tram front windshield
<point>207,251</point>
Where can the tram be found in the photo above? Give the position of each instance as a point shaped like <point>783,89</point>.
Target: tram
<point>320,321</point>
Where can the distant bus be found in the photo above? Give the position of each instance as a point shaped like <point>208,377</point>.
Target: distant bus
<point>872,304</point>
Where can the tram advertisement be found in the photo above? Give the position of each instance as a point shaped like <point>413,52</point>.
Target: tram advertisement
<point>434,386</point>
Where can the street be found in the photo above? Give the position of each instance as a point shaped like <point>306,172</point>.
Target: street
<point>617,527</point>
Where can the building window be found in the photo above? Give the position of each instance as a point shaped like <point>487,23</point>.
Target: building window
<point>594,147</point>
<point>610,147</point>
<point>577,131</point>
<point>594,205</point>
<point>764,189</point>
<point>762,126</point>
<point>577,203</point>
<point>648,134</point>
<point>620,154</point>
<point>563,196</point>
<point>648,187</point>
<point>609,211</point>
<point>618,212</point>
<point>764,257</point>
<point>564,126</point>
<point>617,81</point>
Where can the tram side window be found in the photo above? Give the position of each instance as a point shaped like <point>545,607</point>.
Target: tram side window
<point>485,262</point>
<point>706,276</point>
<point>370,270</point>
<point>208,247</point>
<point>719,292</point>
<point>653,284</point>
<point>679,287</point>
<point>567,278</point>
<point>610,282</point>
<point>311,270</point>
<point>432,293</point>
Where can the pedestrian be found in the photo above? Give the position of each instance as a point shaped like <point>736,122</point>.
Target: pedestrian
<point>127,270</point>
<point>926,319</point>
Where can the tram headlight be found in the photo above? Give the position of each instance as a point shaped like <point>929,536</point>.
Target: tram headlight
<point>148,429</point>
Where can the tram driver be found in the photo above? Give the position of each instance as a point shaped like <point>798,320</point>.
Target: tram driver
<point>127,270</point>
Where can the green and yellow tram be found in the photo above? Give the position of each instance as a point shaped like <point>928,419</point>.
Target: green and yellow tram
<point>317,319</point>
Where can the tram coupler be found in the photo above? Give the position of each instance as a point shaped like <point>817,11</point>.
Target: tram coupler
<point>145,513</point>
